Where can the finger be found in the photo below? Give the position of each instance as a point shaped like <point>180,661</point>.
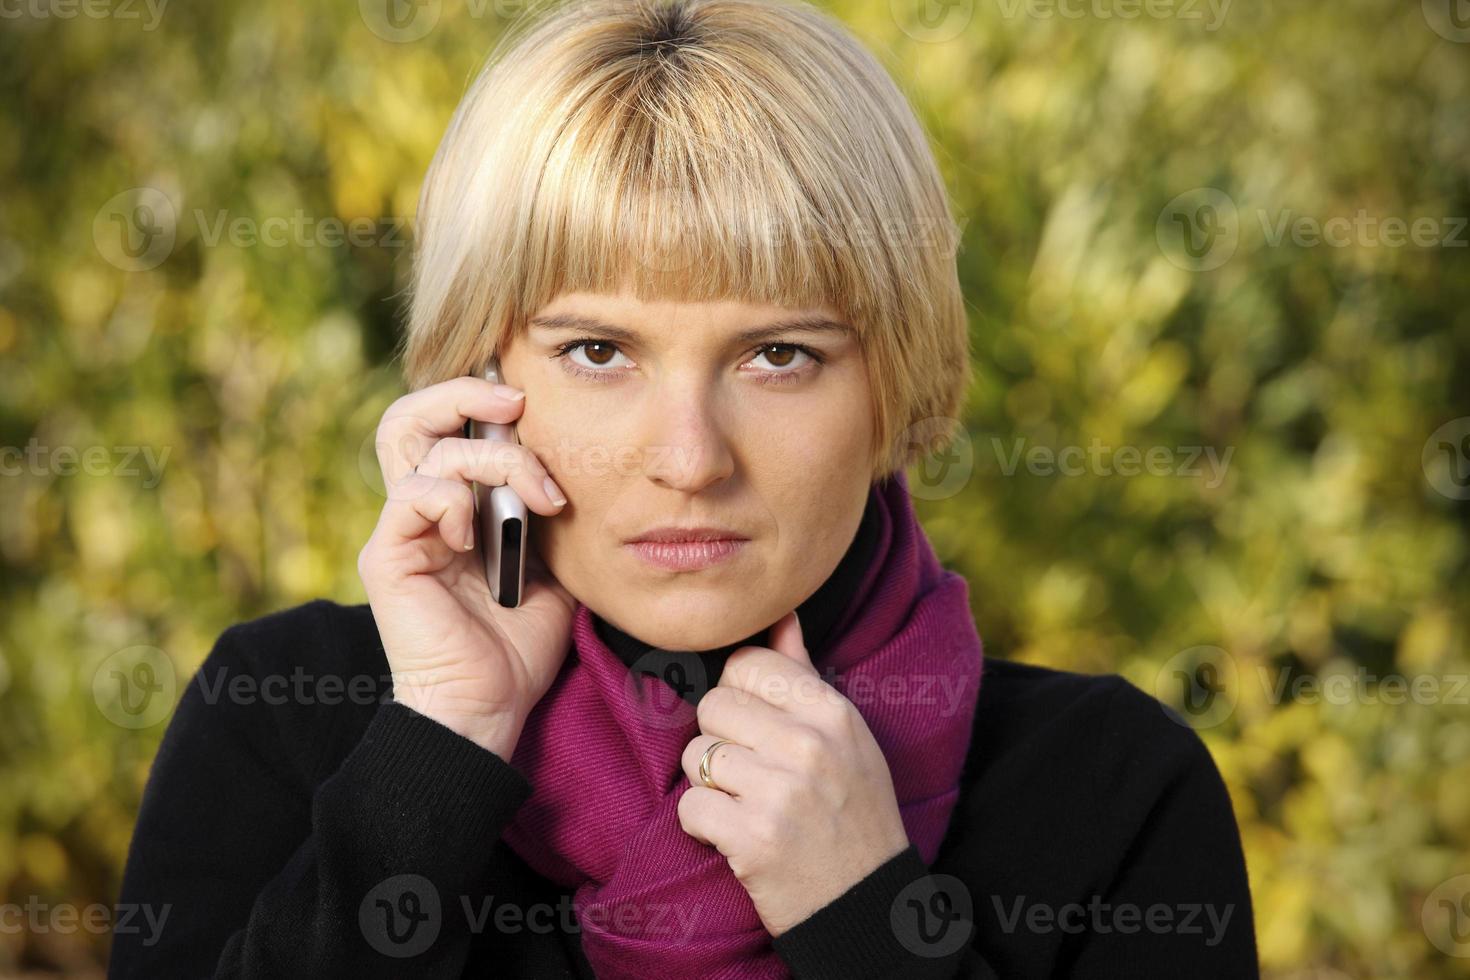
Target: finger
<point>413,423</point>
<point>709,816</point>
<point>776,678</point>
<point>787,638</point>
<point>741,717</point>
<point>419,503</point>
<point>734,768</point>
<point>492,464</point>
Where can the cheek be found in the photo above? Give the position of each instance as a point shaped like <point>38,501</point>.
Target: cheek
<point>804,456</point>
<point>578,450</point>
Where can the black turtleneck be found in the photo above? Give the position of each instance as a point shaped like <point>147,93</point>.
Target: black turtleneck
<point>339,833</point>
<point>820,616</point>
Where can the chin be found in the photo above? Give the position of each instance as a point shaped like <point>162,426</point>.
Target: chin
<point>692,620</point>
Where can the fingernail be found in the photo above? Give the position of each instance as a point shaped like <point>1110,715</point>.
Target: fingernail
<point>554,492</point>
<point>469,539</point>
<point>506,391</point>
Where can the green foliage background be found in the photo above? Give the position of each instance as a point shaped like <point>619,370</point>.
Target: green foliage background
<point>1322,369</point>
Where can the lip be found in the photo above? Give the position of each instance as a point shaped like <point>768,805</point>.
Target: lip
<point>687,549</point>
<point>671,534</point>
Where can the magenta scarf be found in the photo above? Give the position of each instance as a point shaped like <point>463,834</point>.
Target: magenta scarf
<point>602,752</point>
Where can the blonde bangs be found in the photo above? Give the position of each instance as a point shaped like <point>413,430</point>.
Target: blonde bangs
<point>693,150</point>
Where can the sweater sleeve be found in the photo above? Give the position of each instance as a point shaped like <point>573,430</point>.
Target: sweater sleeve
<point>1178,902</point>
<point>899,921</point>
<point>1173,901</point>
<point>244,867</point>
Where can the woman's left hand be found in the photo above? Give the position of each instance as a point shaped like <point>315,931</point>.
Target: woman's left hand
<point>805,807</point>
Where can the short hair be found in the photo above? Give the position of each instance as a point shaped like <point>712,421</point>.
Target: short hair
<point>751,150</point>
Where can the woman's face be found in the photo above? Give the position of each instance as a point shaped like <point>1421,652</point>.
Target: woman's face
<point>676,414</point>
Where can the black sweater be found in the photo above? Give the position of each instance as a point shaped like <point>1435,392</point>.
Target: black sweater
<point>297,822</point>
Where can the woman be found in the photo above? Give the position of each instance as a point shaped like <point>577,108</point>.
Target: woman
<point>737,726</point>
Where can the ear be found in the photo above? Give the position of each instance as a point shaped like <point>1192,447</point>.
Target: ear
<point>786,639</point>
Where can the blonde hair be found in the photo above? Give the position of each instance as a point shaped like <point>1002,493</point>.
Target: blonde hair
<point>697,150</point>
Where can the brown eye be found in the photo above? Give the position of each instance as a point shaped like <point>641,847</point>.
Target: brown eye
<point>607,349</point>
<point>782,356</point>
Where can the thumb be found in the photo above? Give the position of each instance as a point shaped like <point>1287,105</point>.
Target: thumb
<point>786,639</point>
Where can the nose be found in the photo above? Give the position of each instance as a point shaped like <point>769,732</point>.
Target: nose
<point>688,447</point>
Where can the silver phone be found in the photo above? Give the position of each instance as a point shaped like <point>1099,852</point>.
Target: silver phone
<point>501,515</point>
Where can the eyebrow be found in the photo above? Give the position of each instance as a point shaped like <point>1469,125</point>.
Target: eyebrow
<point>591,324</point>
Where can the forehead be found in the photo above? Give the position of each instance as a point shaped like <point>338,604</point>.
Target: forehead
<point>625,316</point>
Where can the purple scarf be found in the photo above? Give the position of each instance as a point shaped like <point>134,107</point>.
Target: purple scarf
<point>602,752</point>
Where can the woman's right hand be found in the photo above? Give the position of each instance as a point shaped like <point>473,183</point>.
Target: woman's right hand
<point>457,655</point>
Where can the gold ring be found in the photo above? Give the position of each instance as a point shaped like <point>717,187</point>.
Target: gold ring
<point>704,776</point>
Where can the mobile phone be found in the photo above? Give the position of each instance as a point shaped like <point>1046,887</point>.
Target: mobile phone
<point>501,515</point>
